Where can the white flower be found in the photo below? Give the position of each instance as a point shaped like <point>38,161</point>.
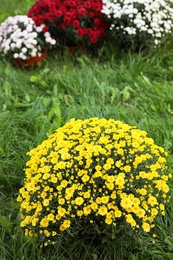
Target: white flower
<point>156,42</point>
<point>33,54</point>
<point>13,46</point>
<point>47,34</point>
<point>24,50</point>
<point>152,18</point>
<point>53,42</point>
<point>22,56</point>
<point>16,55</point>
<point>15,27</point>
<point>150,31</point>
<point>25,34</point>
<point>130,30</point>
<point>7,47</point>
<point>34,34</point>
<point>38,29</point>
<point>42,25</point>
<point>34,41</point>
<point>48,39</point>
<point>19,43</point>
<point>29,28</point>
<point>167,26</point>
<point>20,34</point>
<point>29,45</point>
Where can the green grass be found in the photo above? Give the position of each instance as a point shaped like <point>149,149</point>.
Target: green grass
<point>134,88</point>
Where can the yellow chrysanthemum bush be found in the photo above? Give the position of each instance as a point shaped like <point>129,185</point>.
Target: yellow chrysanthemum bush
<point>93,176</point>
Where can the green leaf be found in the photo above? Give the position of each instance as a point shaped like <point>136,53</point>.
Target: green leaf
<point>34,79</point>
<point>6,223</point>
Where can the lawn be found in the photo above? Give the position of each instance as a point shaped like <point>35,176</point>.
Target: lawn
<point>136,88</point>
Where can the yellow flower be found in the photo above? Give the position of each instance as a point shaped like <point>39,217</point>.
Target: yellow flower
<point>62,228</point>
<point>152,201</point>
<point>110,185</point>
<point>85,178</point>
<point>44,222</point>
<point>106,166</point>
<point>80,213</point>
<point>54,233</point>
<point>117,213</point>
<point>97,174</point>
<point>90,170</point>
<point>46,176</point>
<point>113,195</point>
<point>69,193</point>
<point>61,201</point>
<point>110,178</point>
<point>162,207</point>
<point>98,200</point>
<point>34,222</point>
<point>50,217</point>
<point>79,201</point>
<point>119,181</point>
<point>87,194</point>
<point>64,183</point>
<point>94,206</point>
<point>108,221</point>
<point>127,168</point>
<point>102,210</point>
<point>140,212</point>
<point>61,211</point>
<point>130,220</point>
<point>47,233</point>
<point>142,191</point>
<point>154,212</point>
<point>26,221</point>
<point>45,202</point>
<point>105,199</point>
<point>146,227</point>
<point>110,161</point>
<point>98,167</point>
<point>87,210</point>
<point>126,203</point>
<point>118,163</point>
<point>66,223</point>
<point>54,179</point>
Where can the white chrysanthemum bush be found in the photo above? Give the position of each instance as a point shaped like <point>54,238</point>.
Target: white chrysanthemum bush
<point>139,22</point>
<point>93,174</point>
<point>21,38</point>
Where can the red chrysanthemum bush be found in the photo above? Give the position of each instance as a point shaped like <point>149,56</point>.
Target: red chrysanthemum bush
<point>71,22</point>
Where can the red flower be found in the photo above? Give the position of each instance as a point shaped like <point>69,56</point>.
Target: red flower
<point>68,18</point>
<point>80,32</point>
<point>87,4</point>
<point>45,29</point>
<point>59,13</point>
<point>82,11</point>
<point>76,24</point>
<point>93,39</point>
<point>96,22</point>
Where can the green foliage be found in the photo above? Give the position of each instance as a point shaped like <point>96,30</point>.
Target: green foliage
<point>10,8</point>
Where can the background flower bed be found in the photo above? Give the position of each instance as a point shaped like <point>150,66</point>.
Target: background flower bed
<point>139,22</point>
<point>71,22</point>
<point>134,24</point>
<point>21,38</point>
